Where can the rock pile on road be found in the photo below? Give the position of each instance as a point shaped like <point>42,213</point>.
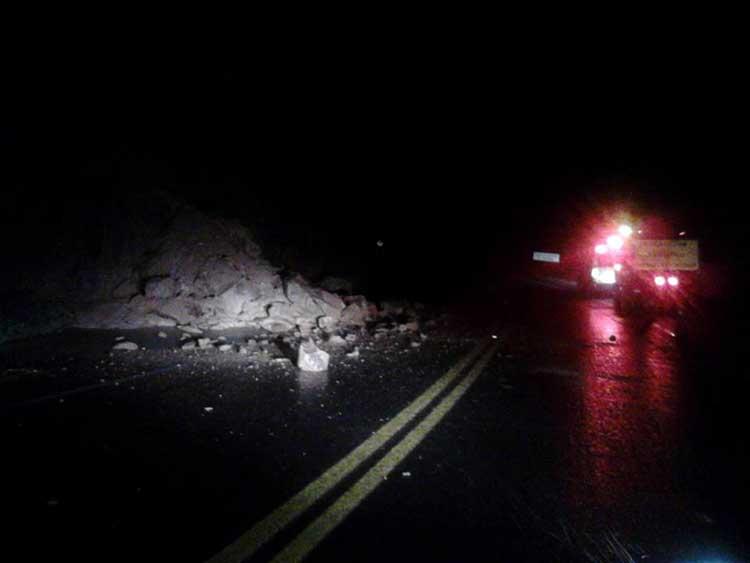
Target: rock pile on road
<point>207,273</point>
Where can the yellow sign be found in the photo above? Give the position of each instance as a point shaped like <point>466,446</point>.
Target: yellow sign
<point>665,254</point>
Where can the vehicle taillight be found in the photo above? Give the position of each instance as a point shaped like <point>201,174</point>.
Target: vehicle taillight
<point>625,230</point>
<point>660,280</point>
<point>601,249</point>
<point>673,281</point>
<point>614,242</point>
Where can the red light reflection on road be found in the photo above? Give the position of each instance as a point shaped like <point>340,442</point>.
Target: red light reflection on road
<point>626,425</point>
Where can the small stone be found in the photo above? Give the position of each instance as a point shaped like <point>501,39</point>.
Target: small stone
<point>208,409</point>
<point>119,338</point>
<point>354,354</point>
<point>222,339</point>
<point>336,340</point>
<point>225,348</point>
<point>204,343</point>
<point>190,329</point>
<point>129,346</point>
<point>416,344</point>
<point>312,358</point>
<point>162,334</point>
<point>188,345</point>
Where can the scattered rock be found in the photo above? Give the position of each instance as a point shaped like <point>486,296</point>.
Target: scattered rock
<point>354,354</point>
<point>226,348</point>
<point>416,344</point>
<point>312,358</point>
<point>129,346</point>
<point>119,338</point>
<point>277,324</point>
<point>162,334</point>
<point>205,343</point>
<point>243,350</point>
<point>326,323</point>
<point>336,340</point>
<point>188,345</point>
<point>208,409</point>
<point>412,326</point>
<point>190,329</point>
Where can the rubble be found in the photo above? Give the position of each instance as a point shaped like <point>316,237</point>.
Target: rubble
<point>354,354</point>
<point>312,358</point>
<point>226,348</point>
<point>196,272</point>
<point>129,346</point>
<point>336,340</point>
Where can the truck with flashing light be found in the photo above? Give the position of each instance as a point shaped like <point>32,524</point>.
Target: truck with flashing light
<point>645,273</point>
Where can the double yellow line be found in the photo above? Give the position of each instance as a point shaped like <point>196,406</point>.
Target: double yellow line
<point>252,540</point>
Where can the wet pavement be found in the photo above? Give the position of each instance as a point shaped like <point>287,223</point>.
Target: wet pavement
<point>586,437</point>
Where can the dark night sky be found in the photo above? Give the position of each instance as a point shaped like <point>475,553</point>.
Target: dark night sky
<point>437,158</point>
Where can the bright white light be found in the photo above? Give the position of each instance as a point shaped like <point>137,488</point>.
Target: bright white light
<point>625,230</point>
<point>604,275</point>
<point>682,233</point>
<point>660,281</point>
<point>601,249</point>
<point>673,281</point>
<point>615,242</point>
<point>494,337</point>
<point>618,267</point>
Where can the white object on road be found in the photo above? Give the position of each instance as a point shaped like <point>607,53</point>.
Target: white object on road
<point>129,346</point>
<point>546,257</point>
<point>312,358</point>
<point>162,334</point>
<point>208,409</point>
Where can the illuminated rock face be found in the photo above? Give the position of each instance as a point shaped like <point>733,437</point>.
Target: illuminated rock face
<point>208,273</point>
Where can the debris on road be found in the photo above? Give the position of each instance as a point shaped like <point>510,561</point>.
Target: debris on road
<point>312,358</point>
<point>129,346</point>
<point>205,343</point>
<point>189,345</point>
<point>336,340</point>
<point>226,348</point>
<point>354,354</point>
<point>162,334</point>
<point>208,409</point>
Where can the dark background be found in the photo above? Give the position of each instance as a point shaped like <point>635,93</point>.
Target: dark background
<point>455,162</point>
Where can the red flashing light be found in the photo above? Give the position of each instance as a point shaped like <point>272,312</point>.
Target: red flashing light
<point>615,242</point>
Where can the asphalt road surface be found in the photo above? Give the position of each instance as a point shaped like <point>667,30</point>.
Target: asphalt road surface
<point>541,428</point>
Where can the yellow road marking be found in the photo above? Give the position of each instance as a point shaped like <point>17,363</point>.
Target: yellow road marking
<point>311,536</point>
<point>249,542</point>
